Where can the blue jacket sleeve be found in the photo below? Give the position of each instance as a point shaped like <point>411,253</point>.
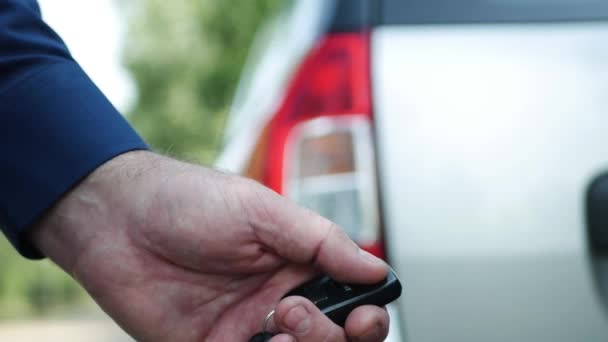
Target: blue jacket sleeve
<point>55,125</point>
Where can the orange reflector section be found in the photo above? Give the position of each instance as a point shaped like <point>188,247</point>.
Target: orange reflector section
<point>326,155</point>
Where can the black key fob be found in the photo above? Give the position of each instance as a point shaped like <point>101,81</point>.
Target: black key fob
<point>337,300</point>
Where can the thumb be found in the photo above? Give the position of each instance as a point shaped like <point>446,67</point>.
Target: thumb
<point>302,236</point>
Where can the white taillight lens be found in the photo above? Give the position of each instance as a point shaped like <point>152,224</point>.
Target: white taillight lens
<point>330,168</point>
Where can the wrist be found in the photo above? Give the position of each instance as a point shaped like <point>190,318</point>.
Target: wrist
<point>89,210</point>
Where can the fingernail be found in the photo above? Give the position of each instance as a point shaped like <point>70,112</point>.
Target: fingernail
<point>371,258</point>
<point>297,319</point>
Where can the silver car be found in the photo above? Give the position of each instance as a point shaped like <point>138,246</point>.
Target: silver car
<point>465,141</point>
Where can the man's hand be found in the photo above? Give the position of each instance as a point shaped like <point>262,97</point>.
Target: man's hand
<point>177,252</point>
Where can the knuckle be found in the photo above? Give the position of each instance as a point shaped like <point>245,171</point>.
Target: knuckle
<point>254,201</point>
<point>335,231</point>
<point>332,233</point>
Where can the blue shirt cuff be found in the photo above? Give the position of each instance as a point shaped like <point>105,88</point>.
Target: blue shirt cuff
<point>56,127</point>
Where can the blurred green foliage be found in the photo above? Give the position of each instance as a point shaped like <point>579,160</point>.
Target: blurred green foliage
<point>32,288</point>
<point>185,58</point>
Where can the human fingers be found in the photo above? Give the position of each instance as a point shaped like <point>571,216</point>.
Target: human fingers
<point>283,338</point>
<point>301,319</point>
<point>368,323</point>
<point>302,236</point>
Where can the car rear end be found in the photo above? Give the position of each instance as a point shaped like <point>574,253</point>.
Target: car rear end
<point>459,140</point>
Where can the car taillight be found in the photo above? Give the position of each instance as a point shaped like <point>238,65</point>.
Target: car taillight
<point>318,148</point>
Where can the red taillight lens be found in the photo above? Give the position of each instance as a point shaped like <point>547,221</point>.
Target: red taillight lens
<point>332,80</point>
<point>318,148</point>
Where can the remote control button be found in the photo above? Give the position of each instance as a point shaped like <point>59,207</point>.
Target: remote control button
<point>317,295</point>
<point>337,290</point>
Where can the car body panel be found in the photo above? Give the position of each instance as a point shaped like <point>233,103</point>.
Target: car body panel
<point>488,136</point>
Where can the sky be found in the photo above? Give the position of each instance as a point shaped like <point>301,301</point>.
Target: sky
<point>94,32</point>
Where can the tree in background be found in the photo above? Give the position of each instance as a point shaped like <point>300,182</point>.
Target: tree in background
<point>186,58</point>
